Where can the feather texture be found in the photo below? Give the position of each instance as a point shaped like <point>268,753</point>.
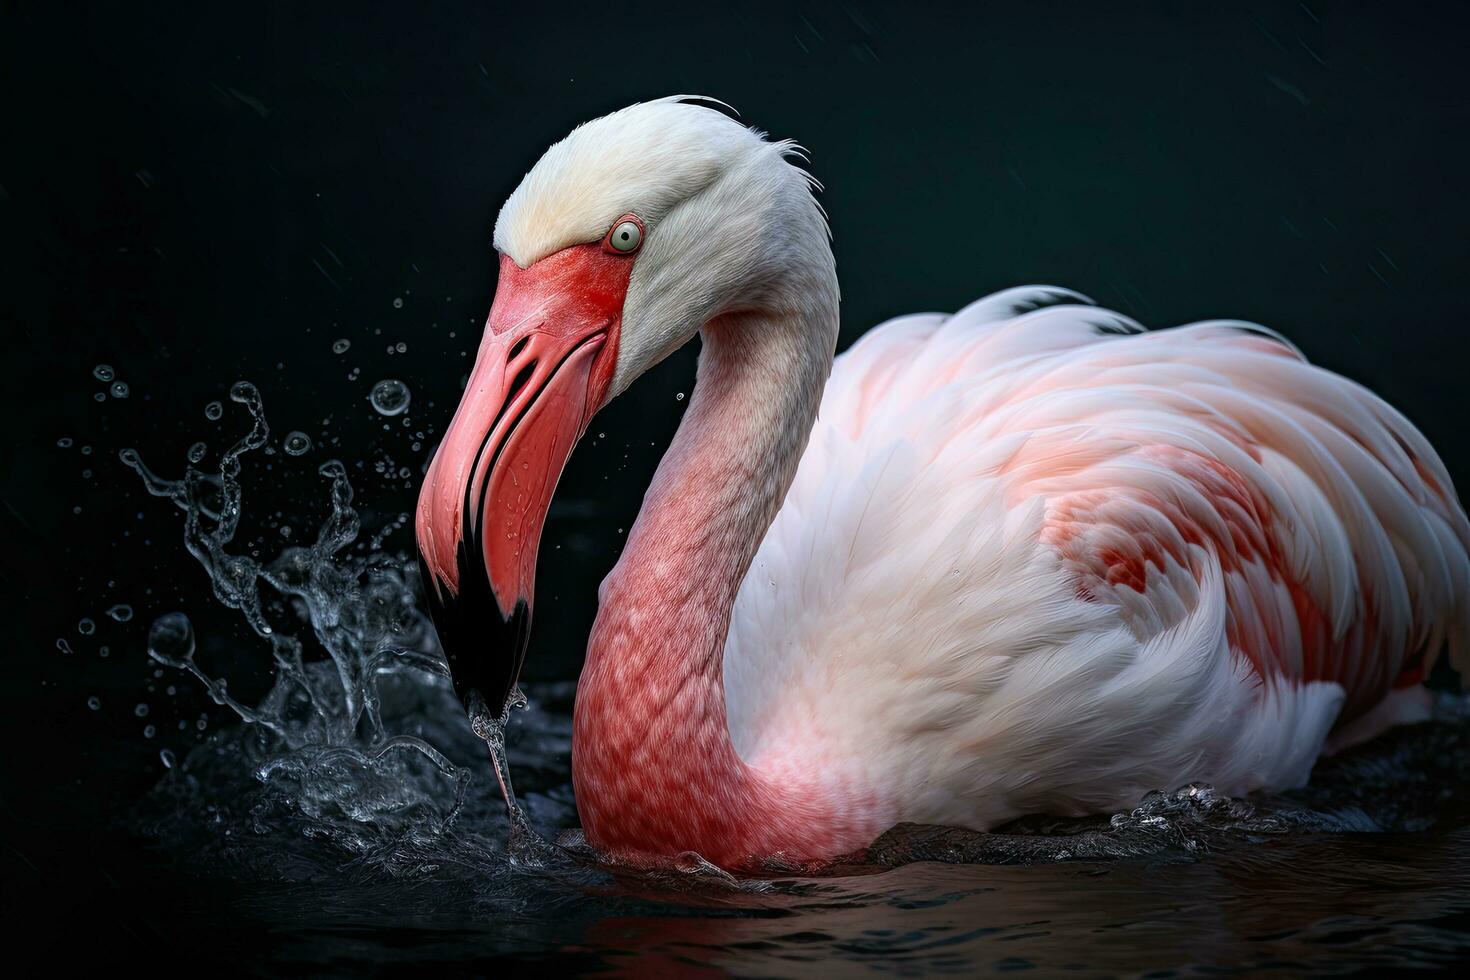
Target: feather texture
<point>1037,559</point>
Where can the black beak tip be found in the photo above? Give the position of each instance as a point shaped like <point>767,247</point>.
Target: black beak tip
<point>483,647</point>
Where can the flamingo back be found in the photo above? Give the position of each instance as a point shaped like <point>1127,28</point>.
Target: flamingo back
<point>1037,558</point>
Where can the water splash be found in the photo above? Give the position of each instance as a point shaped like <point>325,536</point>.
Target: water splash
<point>321,732</point>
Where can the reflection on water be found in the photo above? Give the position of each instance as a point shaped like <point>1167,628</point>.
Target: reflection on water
<point>354,816</point>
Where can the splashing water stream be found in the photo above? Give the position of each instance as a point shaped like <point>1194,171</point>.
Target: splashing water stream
<point>362,612</point>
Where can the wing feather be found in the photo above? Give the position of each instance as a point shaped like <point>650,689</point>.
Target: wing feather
<point>1031,545</point>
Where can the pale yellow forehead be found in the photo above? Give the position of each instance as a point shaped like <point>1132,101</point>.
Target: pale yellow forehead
<point>643,159</point>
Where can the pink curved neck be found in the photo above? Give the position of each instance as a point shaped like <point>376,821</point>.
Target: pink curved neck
<point>653,763</point>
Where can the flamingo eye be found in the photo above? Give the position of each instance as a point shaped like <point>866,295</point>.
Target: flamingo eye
<point>626,235</point>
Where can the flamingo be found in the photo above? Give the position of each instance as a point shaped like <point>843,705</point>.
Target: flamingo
<point>1028,557</point>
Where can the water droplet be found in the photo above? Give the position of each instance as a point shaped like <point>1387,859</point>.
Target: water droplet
<point>341,346</point>
<point>296,443</point>
<point>197,451</point>
<point>64,442</point>
<point>86,627</point>
<point>103,372</point>
<point>679,397</point>
<point>398,302</point>
<point>149,731</point>
<point>401,347</point>
<point>104,652</point>
<point>141,710</point>
<point>390,397</point>
<point>171,640</point>
<point>214,411</point>
<point>62,645</point>
<point>101,396</point>
<point>95,703</point>
<point>122,612</point>
<point>119,389</point>
<point>166,757</point>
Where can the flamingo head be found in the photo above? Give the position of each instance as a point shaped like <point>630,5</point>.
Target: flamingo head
<point>620,243</point>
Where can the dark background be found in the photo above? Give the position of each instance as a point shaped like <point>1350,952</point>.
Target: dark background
<point>196,194</point>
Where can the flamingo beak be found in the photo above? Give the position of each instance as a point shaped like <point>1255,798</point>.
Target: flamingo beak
<point>543,370</point>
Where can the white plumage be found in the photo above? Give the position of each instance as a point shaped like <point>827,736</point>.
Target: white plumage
<point>916,610</point>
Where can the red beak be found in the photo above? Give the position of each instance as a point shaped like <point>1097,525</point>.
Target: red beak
<point>543,370</point>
